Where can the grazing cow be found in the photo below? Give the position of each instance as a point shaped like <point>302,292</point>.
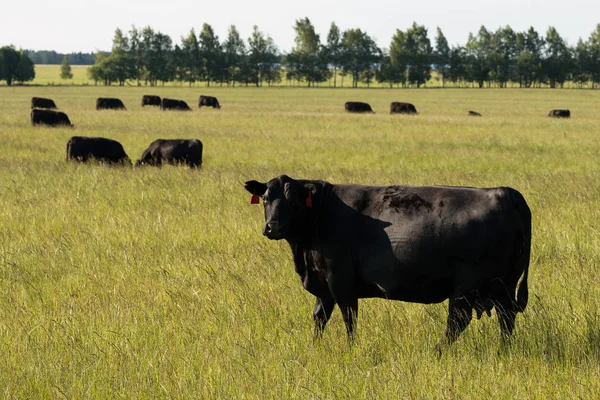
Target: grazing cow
<point>402,108</point>
<point>83,149</point>
<point>417,244</point>
<point>474,114</point>
<point>149,100</point>
<point>173,151</point>
<point>171,104</point>
<point>49,117</point>
<point>560,114</point>
<point>208,101</point>
<point>358,107</point>
<point>40,102</point>
<point>107,103</point>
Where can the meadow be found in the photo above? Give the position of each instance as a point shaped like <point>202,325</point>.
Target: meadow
<point>158,283</point>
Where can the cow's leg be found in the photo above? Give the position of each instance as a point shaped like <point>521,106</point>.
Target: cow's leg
<point>460,313</point>
<point>506,309</point>
<point>322,312</point>
<point>342,289</point>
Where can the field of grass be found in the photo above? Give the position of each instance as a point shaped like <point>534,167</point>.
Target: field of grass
<point>157,282</point>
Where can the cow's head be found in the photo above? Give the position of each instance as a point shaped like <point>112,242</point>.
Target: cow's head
<point>287,205</point>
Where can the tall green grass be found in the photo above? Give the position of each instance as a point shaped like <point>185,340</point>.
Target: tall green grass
<point>148,282</point>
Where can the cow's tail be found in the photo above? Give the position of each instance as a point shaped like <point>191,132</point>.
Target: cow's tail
<point>523,249</point>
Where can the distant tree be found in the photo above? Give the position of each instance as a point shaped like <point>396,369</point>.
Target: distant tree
<point>334,50</point>
<point>9,64</point>
<point>581,62</point>
<point>103,70</point>
<point>441,55</point>
<point>360,54</point>
<point>457,65</point>
<point>477,60</point>
<point>557,59</point>
<point>389,73</point>
<point>210,52</point>
<point>189,59</point>
<point>307,59</point>
<point>121,60</point>
<point>136,52</point>
<point>593,47</point>
<point>65,69</point>
<point>262,57</point>
<point>420,54</point>
<point>529,59</point>
<point>399,58</point>
<point>234,56</point>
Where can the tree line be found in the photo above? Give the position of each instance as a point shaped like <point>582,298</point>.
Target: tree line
<point>54,58</point>
<point>488,58</point>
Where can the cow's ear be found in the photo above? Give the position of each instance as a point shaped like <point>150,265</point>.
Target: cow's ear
<point>255,187</point>
<point>310,192</point>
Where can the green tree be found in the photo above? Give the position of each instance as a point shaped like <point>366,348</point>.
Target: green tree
<point>557,59</point>
<point>121,60</point>
<point>234,55</point>
<point>307,59</point>
<point>360,54</point>
<point>581,64</point>
<point>398,58</point>
<point>593,47</point>
<point>9,64</point>
<point>263,55</point>
<point>25,69</point>
<point>136,53</point>
<point>529,59</point>
<point>419,51</point>
<point>477,60</point>
<point>334,50</point>
<point>210,52</point>
<point>189,58</point>
<point>65,69</point>
<point>389,73</point>
<point>441,55</point>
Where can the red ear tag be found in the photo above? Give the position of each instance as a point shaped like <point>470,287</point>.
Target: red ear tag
<point>309,200</point>
<point>254,199</point>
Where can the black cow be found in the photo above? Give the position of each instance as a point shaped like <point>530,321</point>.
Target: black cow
<point>208,101</point>
<point>474,114</point>
<point>358,107</point>
<point>560,114</point>
<point>40,102</point>
<point>171,104</point>
<point>83,149</point>
<point>49,117</point>
<point>149,100</point>
<point>107,103</point>
<point>402,108</point>
<point>173,151</point>
<point>417,244</point>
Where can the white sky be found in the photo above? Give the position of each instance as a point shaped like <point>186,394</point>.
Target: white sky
<point>88,25</point>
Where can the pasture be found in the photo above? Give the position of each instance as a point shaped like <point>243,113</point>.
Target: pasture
<point>158,283</point>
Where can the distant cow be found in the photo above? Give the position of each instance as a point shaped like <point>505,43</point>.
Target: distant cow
<point>358,107</point>
<point>208,101</point>
<point>560,114</point>
<point>474,114</point>
<point>149,100</point>
<point>40,102</point>
<point>402,108</point>
<point>83,149</point>
<point>171,104</point>
<point>107,103</point>
<point>49,117</point>
<point>420,244</point>
<point>173,151</point>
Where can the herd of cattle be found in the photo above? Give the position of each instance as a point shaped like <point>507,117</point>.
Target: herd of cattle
<point>109,151</point>
<point>415,244</point>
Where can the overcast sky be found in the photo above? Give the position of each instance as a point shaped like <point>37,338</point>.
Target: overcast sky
<point>88,25</point>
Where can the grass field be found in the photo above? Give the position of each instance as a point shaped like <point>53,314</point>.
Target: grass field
<point>157,282</point>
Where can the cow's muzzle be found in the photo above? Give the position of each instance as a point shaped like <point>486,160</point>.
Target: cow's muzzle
<point>272,230</point>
